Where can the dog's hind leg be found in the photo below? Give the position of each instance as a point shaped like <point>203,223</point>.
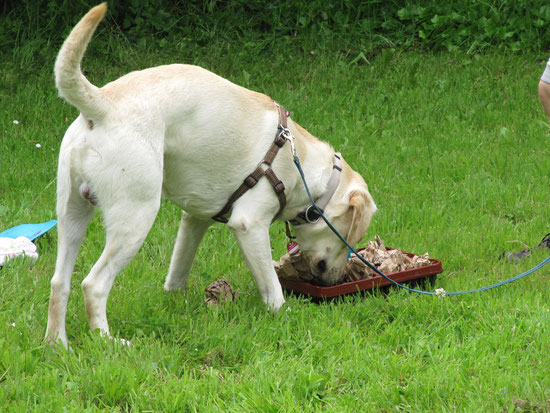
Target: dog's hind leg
<point>190,234</point>
<point>73,215</point>
<point>127,224</point>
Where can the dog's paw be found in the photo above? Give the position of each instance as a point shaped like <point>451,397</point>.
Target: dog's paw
<point>275,305</point>
<point>171,285</point>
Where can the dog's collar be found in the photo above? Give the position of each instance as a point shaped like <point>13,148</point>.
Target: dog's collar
<point>310,215</point>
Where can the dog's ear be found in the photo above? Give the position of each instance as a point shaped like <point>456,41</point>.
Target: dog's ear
<point>361,209</point>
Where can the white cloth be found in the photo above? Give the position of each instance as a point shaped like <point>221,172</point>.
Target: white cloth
<point>14,247</point>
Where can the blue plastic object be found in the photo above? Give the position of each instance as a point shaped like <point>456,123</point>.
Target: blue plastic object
<point>31,231</point>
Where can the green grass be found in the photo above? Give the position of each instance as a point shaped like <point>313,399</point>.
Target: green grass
<point>455,150</point>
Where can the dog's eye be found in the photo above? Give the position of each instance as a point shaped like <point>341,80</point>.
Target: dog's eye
<point>322,265</point>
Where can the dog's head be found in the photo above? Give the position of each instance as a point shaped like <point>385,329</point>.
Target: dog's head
<point>350,211</point>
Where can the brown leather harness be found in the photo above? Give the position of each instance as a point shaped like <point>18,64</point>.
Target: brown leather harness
<point>252,179</point>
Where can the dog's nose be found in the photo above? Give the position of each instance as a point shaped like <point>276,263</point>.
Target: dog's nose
<point>322,266</point>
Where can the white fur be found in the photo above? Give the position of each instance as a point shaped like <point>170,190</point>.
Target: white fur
<point>193,136</point>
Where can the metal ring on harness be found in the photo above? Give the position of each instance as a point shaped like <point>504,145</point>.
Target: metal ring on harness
<point>311,214</point>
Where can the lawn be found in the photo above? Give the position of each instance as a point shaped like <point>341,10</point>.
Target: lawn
<point>455,150</point>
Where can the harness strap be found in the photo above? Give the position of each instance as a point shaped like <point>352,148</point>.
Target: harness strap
<point>251,180</point>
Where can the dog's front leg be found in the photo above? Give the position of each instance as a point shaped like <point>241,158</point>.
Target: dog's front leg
<point>253,238</point>
<point>190,234</point>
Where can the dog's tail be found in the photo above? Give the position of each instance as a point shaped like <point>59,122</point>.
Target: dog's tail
<point>70,81</point>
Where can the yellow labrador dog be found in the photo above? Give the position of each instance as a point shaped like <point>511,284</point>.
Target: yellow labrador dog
<point>194,137</point>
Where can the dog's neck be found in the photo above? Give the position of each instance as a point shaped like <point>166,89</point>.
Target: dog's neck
<point>316,158</point>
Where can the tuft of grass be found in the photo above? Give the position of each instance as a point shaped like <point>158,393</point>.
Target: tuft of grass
<point>454,148</point>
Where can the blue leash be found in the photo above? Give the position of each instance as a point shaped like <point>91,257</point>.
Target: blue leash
<point>439,292</point>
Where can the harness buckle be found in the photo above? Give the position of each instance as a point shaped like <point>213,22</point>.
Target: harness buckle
<point>250,181</point>
<point>279,187</point>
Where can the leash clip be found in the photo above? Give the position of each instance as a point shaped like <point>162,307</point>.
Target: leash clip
<point>287,134</point>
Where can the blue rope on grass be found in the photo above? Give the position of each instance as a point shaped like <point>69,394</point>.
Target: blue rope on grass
<point>439,292</point>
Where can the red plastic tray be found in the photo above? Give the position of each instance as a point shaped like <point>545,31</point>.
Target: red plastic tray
<point>305,288</point>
